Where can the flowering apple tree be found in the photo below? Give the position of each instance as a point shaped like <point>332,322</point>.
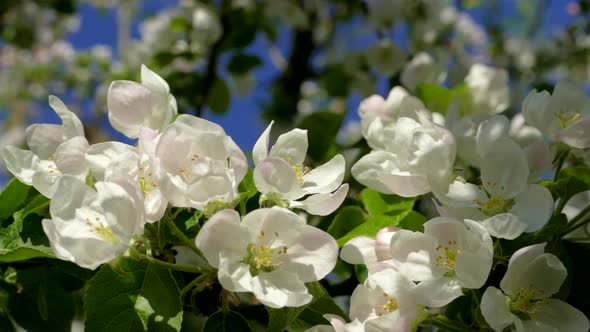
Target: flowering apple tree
<point>463,220</point>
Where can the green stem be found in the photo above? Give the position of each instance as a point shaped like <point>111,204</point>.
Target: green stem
<point>180,235</point>
<point>560,161</point>
<point>193,283</point>
<point>183,268</point>
<point>577,221</point>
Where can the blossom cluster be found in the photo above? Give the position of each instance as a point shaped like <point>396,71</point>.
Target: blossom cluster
<point>480,169</point>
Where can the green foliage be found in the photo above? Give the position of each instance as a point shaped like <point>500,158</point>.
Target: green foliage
<point>572,180</point>
<point>12,197</point>
<point>346,220</point>
<point>438,98</point>
<point>375,223</point>
<point>377,203</point>
<point>128,295</point>
<point>301,318</point>
<point>223,321</point>
<point>322,128</point>
<point>24,239</point>
<point>38,299</point>
<point>242,63</point>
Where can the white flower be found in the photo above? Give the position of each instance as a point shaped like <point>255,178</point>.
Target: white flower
<point>385,57</point>
<point>110,160</point>
<point>338,325</point>
<point>377,113</point>
<point>386,302</point>
<point>280,175</point>
<point>524,301</point>
<point>91,227</point>
<point>55,150</point>
<point>448,256</point>
<point>206,28</point>
<point>417,158</point>
<point>197,163</point>
<point>422,69</point>
<point>133,106</point>
<point>489,89</point>
<point>504,202</point>
<point>562,116</point>
<point>272,253</point>
<point>373,253</point>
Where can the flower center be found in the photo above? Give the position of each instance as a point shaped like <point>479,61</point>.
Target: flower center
<point>525,303</point>
<point>145,181</point>
<point>264,258</point>
<point>186,171</point>
<point>495,205</point>
<point>102,229</point>
<point>300,171</point>
<point>567,116</point>
<point>447,257</point>
<point>389,306</point>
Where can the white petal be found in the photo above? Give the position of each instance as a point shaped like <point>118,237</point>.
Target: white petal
<point>534,207</point>
<point>260,150</point>
<point>130,107</point>
<point>383,242</point>
<point>43,139</point>
<point>44,181</point>
<point>534,109</point>
<point>495,310</point>
<point>291,146</point>
<point>325,178</point>
<point>505,226</point>
<point>504,169</point>
<point>438,292</point>
<point>214,237</point>
<point>462,194</point>
<point>490,131</point>
<point>414,253</point>
<point>279,289</point>
<point>21,163</point>
<point>275,175</point>
<point>576,135</point>
<point>234,275</point>
<point>70,157</point>
<point>106,155</point>
<point>405,184</point>
<point>153,81</point>
<point>561,316</point>
<point>72,126</point>
<point>369,168</point>
<point>322,204</point>
<point>544,274</point>
<point>359,250</point>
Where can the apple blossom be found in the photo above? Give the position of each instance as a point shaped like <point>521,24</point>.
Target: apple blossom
<point>338,325</point>
<point>90,227</point>
<point>562,116</point>
<point>112,159</point>
<point>417,158</point>
<point>524,302</point>
<point>504,202</point>
<point>377,113</point>
<point>488,89</point>
<point>196,164</point>
<point>133,105</point>
<point>55,150</point>
<point>448,256</point>
<point>422,69</point>
<point>271,252</point>
<point>373,253</point>
<point>280,175</point>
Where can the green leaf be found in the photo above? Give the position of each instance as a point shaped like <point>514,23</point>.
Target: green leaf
<point>322,128</point>
<point>307,315</point>
<point>377,203</point>
<point>414,221</point>
<point>37,203</point>
<point>247,185</point>
<point>24,239</point>
<point>346,220</point>
<point>336,81</point>
<point>12,197</point>
<point>437,98</point>
<point>218,97</point>
<point>361,272</point>
<point>373,225</point>
<point>38,300</point>
<point>128,295</point>
<point>223,321</point>
<point>572,180</point>
<point>242,63</point>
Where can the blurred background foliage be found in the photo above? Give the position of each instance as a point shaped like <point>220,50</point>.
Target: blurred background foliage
<point>301,63</point>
